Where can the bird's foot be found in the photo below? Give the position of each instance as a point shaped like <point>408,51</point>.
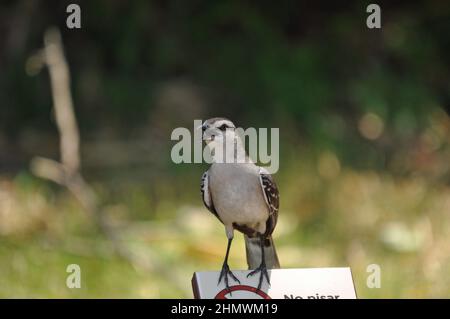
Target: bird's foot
<point>262,269</point>
<point>225,273</point>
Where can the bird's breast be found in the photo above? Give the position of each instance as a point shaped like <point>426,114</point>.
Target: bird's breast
<point>237,194</point>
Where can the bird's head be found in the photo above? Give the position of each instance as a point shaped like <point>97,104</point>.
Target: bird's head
<point>216,130</point>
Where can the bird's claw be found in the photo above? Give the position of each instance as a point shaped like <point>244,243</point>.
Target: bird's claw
<point>225,272</point>
<point>262,269</point>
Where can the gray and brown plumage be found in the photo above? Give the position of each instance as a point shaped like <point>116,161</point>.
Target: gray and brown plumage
<point>244,197</point>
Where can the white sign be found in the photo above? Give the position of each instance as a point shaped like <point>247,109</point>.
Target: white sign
<point>306,283</point>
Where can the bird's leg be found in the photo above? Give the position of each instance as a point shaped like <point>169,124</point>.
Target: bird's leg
<point>226,269</point>
<point>262,269</point>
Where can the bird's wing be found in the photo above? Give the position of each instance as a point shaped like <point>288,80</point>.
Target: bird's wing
<point>272,198</point>
<point>206,194</point>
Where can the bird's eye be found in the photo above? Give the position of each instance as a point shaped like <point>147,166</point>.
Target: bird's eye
<point>223,127</point>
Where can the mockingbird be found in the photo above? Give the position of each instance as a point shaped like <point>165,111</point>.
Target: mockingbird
<point>243,196</point>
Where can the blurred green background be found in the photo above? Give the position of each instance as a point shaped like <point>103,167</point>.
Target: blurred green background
<point>364,123</point>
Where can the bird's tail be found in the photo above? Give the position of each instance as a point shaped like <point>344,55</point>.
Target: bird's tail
<point>253,250</point>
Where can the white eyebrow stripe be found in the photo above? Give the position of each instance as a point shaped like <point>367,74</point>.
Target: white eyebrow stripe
<point>221,122</point>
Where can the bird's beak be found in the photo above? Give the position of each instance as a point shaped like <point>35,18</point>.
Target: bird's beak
<point>206,136</point>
